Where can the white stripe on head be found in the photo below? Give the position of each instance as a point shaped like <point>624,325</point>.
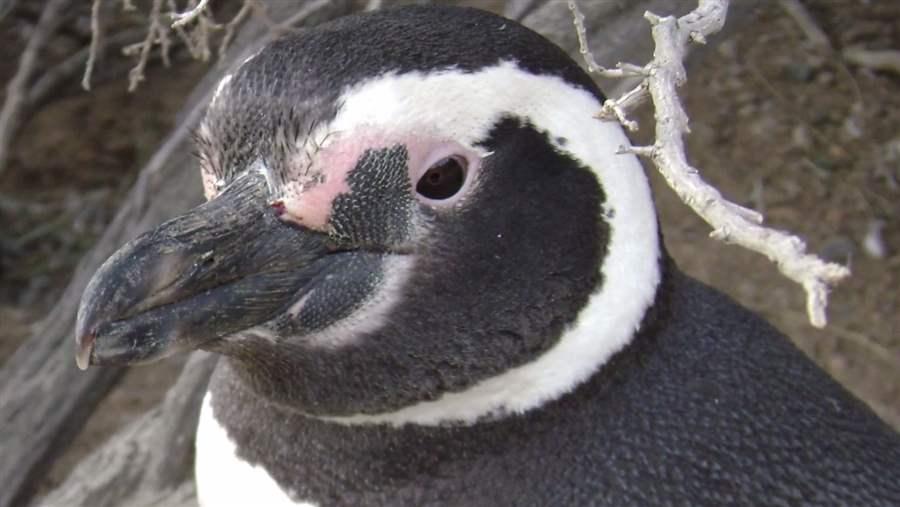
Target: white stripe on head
<point>464,107</point>
<point>221,86</point>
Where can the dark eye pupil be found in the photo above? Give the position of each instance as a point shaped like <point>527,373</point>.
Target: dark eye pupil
<point>442,180</point>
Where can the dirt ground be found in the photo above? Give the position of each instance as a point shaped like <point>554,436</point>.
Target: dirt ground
<point>778,124</point>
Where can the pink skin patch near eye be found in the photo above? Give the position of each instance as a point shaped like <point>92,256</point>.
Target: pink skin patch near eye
<point>313,185</point>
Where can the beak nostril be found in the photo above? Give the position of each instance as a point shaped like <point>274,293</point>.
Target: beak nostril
<point>207,260</point>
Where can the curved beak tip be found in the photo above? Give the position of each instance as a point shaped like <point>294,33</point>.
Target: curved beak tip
<point>83,351</point>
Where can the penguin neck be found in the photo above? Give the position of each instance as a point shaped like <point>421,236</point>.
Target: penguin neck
<point>608,324</point>
<point>615,314</point>
<point>302,454</point>
<point>242,377</point>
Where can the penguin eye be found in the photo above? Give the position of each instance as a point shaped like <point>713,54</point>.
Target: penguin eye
<point>443,179</point>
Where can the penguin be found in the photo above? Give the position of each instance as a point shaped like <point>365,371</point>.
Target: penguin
<point>434,279</point>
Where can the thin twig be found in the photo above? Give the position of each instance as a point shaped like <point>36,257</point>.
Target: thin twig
<point>805,21</point>
<point>620,71</point>
<point>308,10</point>
<point>184,18</point>
<point>64,70</point>
<point>205,26</point>
<point>617,109</point>
<point>888,59</point>
<point>96,36</point>
<point>730,222</point>
<point>184,35</point>
<point>156,33</point>
<point>612,109</point>
<point>17,89</point>
<point>231,26</point>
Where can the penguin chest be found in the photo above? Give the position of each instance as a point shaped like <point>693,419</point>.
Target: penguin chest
<point>223,478</point>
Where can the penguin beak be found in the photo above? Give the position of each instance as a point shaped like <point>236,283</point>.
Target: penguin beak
<point>221,268</point>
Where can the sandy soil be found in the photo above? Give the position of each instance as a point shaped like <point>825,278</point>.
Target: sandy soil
<point>778,125</point>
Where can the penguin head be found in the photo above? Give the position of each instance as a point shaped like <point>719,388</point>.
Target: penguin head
<point>411,217</point>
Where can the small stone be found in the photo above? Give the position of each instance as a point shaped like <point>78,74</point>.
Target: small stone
<point>800,72</point>
<point>892,150</point>
<point>800,137</point>
<point>826,164</point>
<point>825,78</point>
<point>852,128</point>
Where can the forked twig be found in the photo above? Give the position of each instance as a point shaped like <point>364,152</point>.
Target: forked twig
<point>730,222</point>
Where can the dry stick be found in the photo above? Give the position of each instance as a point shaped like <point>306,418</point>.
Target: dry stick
<point>17,89</point>
<point>308,10</point>
<point>621,70</point>
<point>805,21</point>
<point>63,71</point>
<point>201,36</point>
<point>156,33</point>
<point>184,18</point>
<point>183,34</point>
<point>231,26</point>
<point>96,35</point>
<point>731,223</point>
<point>887,59</point>
<point>612,109</point>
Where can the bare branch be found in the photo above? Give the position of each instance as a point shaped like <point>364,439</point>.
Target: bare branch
<point>232,25</point>
<point>184,18</point>
<point>617,109</point>
<point>308,10</point>
<point>583,48</point>
<point>730,222</point>
<point>888,59</point>
<point>96,36</point>
<point>156,33</point>
<point>185,36</point>
<point>805,21</point>
<point>195,27</point>
<point>17,89</point>
<point>612,109</point>
<point>63,71</point>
